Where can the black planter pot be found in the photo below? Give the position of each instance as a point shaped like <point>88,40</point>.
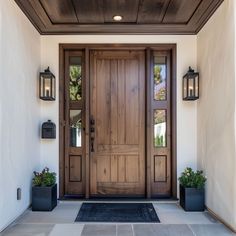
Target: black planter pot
<point>44,198</point>
<point>192,199</point>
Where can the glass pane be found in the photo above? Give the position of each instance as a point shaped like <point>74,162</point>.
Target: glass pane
<point>75,128</point>
<point>159,72</point>
<point>75,85</point>
<point>190,87</point>
<point>47,91</point>
<point>196,86</point>
<point>160,128</point>
<point>185,87</point>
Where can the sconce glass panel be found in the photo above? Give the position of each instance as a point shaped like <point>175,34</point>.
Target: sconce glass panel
<point>47,86</point>
<point>191,85</point>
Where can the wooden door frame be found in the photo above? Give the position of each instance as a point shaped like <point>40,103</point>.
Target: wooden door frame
<point>148,48</point>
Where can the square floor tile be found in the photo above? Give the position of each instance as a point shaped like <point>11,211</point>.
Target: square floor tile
<point>185,218</point>
<point>99,230</point>
<point>124,230</point>
<point>167,207</point>
<point>67,229</point>
<point>62,214</point>
<point>28,230</point>
<point>162,230</point>
<point>211,230</point>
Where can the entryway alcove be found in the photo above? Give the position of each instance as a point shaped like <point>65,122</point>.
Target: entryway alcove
<point>117,121</point>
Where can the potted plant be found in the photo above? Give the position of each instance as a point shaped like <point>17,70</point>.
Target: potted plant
<point>44,191</point>
<point>192,190</point>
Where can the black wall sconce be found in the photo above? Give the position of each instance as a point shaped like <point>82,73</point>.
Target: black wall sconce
<point>47,85</point>
<point>191,85</point>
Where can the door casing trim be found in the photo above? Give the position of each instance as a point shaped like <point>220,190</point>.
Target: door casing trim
<point>86,48</point>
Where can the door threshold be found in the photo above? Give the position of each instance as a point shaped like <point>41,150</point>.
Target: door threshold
<point>118,199</point>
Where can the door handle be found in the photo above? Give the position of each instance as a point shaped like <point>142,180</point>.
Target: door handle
<point>92,144</point>
<point>92,121</point>
<point>92,130</point>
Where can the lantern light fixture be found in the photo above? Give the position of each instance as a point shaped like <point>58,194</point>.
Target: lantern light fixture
<point>47,85</point>
<point>191,85</point>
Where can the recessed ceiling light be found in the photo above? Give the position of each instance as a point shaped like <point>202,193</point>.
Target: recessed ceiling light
<point>117,18</point>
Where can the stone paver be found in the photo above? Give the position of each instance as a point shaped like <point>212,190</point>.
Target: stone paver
<point>99,230</point>
<point>63,213</point>
<point>28,230</point>
<point>174,222</point>
<point>162,230</point>
<point>211,230</point>
<point>124,230</point>
<point>185,218</point>
<point>67,229</point>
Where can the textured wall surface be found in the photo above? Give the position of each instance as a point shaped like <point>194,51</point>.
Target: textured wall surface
<point>19,109</point>
<point>216,111</point>
<point>186,111</point>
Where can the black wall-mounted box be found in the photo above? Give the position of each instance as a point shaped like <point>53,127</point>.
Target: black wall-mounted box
<point>48,130</point>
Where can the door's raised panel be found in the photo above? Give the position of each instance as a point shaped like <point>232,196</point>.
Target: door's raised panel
<point>114,101</point>
<point>132,102</point>
<point>132,169</point>
<point>121,102</point>
<point>121,169</point>
<point>103,169</point>
<point>75,168</point>
<point>160,166</point>
<point>114,168</point>
<point>103,98</point>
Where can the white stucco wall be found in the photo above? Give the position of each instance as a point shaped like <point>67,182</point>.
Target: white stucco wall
<point>19,109</point>
<point>186,111</point>
<point>216,111</point>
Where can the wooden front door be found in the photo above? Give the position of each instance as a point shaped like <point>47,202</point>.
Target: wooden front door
<point>117,123</point>
<point>117,120</point>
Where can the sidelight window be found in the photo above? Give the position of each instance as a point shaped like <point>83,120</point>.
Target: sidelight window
<point>75,74</point>
<point>159,128</point>
<point>159,76</point>
<point>75,128</point>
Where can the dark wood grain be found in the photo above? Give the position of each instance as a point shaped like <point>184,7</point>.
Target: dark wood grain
<point>59,11</point>
<point>74,157</point>
<point>91,12</point>
<point>161,172</point>
<point>118,107</point>
<point>128,9</point>
<point>139,17</point>
<point>180,11</point>
<point>152,11</point>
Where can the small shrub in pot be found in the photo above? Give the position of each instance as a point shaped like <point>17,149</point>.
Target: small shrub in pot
<point>44,190</point>
<point>192,190</point>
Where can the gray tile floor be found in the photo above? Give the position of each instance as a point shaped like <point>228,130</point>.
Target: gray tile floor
<point>60,222</point>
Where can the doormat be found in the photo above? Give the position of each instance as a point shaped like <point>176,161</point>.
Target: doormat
<point>117,212</point>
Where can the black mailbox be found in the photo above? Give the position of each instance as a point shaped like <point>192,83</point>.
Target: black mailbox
<point>48,130</point>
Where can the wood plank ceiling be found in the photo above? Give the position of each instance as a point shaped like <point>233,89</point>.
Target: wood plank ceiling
<point>138,16</point>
